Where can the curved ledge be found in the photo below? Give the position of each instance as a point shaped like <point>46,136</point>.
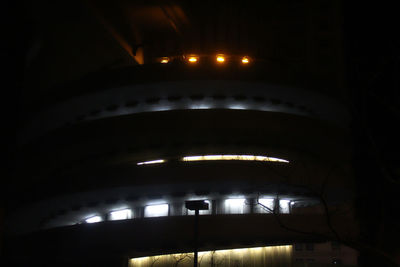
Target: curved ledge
<point>186,95</point>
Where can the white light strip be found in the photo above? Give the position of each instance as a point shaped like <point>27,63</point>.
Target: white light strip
<point>233,157</point>
<point>151,162</point>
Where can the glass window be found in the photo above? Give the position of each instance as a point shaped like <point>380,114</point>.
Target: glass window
<point>121,215</point>
<point>156,210</point>
<point>284,206</point>
<point>94,219</point>
<point>267,205</point>
<point>234,205</point>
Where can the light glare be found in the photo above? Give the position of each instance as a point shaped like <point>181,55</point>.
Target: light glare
<point>193,59</point>
<point>94,219</point>
<point>245,60</point>
<point>220,59</point>
<point>164,60</point>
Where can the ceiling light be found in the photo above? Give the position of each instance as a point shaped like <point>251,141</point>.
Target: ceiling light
<point>220,58</point>
<point>193,59</point>
<point>164,60</point>
<point>245,60</point>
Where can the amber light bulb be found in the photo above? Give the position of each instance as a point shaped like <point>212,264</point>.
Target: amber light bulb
<point>220,58</point>
<point>193,59</point>
<point>164,60</point>
<point>245,60</point>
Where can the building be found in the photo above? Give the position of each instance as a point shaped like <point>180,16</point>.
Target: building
<point>132,108</point>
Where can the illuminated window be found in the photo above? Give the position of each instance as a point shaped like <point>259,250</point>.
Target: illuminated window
<point>233,157</point>
<point>121,215</point>
<point>284,206</point>
<point>234,205</point>
<point>157,161</point>
<point>156,210</point>
<point>264,256</point>
<point>94,219</point>
<point>267,205</point>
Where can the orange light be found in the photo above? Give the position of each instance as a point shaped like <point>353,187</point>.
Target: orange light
<point>245,60</point>
<point>164,60</point>
<point>220,58</point>
<point>193,59</point>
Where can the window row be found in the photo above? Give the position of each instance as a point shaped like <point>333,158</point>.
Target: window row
<point>226,206</point>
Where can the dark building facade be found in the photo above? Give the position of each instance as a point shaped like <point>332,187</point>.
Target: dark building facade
<point>129,109</point>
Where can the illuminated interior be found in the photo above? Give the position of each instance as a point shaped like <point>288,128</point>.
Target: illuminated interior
<point>156,210</point>
<point>267,204</point>
<point>258,256</point>
<point>233,157</point>
<point>121,215</point>
<point>235,205</point>
<point>284,206</point>
<point>94,219</point>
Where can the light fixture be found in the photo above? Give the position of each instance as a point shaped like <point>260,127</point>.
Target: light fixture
<point>220,58</point>
<point>193,59</point>
<point>164,60</point>
<point>94,219</point>
<point>233,157</point>
<point>245,60</point>
<point>151,162</point>
<point>121,214</point>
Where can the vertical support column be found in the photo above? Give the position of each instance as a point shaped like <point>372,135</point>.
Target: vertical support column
<point>196,236</point>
